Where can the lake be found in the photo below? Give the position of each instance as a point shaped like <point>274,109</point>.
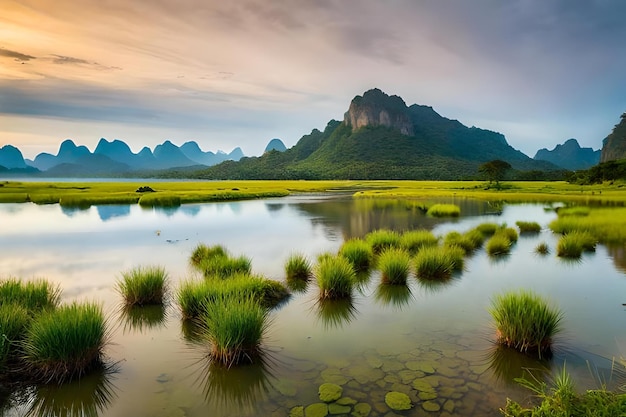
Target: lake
<point>433,342</point>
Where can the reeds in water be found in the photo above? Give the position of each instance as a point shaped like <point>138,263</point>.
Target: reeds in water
<point>359,253</point>
<point>414,240</point>
<point>142,286</point>
<point>438,262</point>
<point>35,296</point>
<point>573,244</point>
<point>298,267</point>
<point>444,210</point>
<point>382,239</point>
<point>528,227</point>
<point>395,266</point>
<point>335,277</point>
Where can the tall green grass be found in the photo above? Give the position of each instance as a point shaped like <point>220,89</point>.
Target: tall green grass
<point>542,248</point>
<point>298,267</point>
<point>203,252</point>
<point>573,244</point>
<point>192,295</point>
<point>468,241</point>
<point>359,253</point>
<point>235,327</point>
<point>35,296</point>
<point>414,240</point>
<point>335,277</point>
<point>487,229</point>
<point>14,321</point>
<point>528,227</point>
<point>576,211</point>
<point>143,285</point>
<point>159,200</point>
<point>438,262</point>
<point>67,342</point>
<point>444,210</point>
<point>225,266</point>
<point>607,224</point>
<point>525,321</point>
<point>382,239</point>
<point>395,266</point>
<point>498,244</point>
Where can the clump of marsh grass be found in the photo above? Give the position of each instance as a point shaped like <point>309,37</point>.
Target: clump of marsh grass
<point>573,244</point>
<point>498,244</point>
<point>487,229</point>
<point>202,252</point>
<point>382,239</point>
<point>444,210</point>
<point>335,277</point>
<point>542,248</point>
<point>528,227</point>
<point>298,267</point>
<point>192,295</point>
<point>35,296</point>
<point>359,253</point>
<point>225,266</point>
<point>524,321</point>
<point>414,240</point>
<point>438,262</point>
<point>577,211</point>
<point>467,241</point>
<point>67,342</point>
<point>143,285</point>
<point>394,265</point>
<point>235,327</point>
<point>509,232</point>
<point>14,321</point>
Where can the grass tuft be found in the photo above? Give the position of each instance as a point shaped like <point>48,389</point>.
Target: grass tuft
<point>14,321</point>
<point>498,244</point>
<point>573,244</point>
<point>359,253</point>
<point>487,229</point>
<point>414,240</point>
<point>335,277</point>
<point>542,248</point>
<point>444,210</point>
<point>395,265</point>
<point>67,342</point>
<point>143,286</point>
<point>438,262</point>
<point>202,252</point>
<point>235,327</point>
<point>382,239</point>
<point>524,321</point>
<point>528,227</point>
<point>298,267</point>
<point>35,296</point>
<point>225,266</point>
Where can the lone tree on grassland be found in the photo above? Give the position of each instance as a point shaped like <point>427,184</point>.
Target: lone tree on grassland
<point>494,170</point>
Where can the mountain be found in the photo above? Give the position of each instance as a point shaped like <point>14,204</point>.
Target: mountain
<point>570,156</point>
<point>168,155</point>
<point>116,150</point>
<point>68,153</point>
<point>11,157</point>
<point>192,151</point>
<point>275,145</point>
<point>614,145</point>
<point>381,137</point>
<point>90,165</point>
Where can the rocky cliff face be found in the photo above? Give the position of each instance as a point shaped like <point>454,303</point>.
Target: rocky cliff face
<point>376,108</point>
<point>614,145</point>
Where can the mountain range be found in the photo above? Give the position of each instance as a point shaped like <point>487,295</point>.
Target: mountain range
<point>379,137</point>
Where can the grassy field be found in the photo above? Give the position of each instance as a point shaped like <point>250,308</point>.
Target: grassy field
<point>84,194</point>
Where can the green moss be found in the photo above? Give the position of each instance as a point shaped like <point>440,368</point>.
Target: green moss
<point>335,409</point>
<point>330,392</point>
<point>297,411</point>
<point>398,401</point>
<point>431,406</point>
<point>362,410</point>
<point>316,410</point>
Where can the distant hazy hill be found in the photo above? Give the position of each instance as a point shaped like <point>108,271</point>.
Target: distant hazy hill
<point>614,145</point>
<point>275,145</point>
<point>115,158</point>
<point>380,137</point>
<point>11,157</point>
<point>570,156</point>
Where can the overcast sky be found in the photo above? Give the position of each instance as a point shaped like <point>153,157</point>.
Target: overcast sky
<point>241,72</point>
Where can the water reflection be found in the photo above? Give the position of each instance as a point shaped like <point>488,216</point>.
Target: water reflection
<point>297,285</point>
<point>508,364</point>
<point>433,286</point>
<point>235,389</point>
<point>192,331</point>
<point>109,212</point>
<point>335,313</point>
<point>73,211</point>
<point>140,319</point>
<point>618,254</point>
<point>397,296</point>
<point>86,397</point>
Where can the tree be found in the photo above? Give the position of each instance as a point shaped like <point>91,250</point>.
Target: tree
<point>494,170</point>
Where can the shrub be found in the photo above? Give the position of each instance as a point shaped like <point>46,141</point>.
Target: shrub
<point>143,285</point>
<point>34,296</point>
<point>528,227</point>
<point>444,210</point>
<point>573,244</point>
<point>395,265</point>
<point>297,267</point>
<point>235,327</point>
<point>525,321</point>
<point>335,277</point>
<point>414,240</point>
<point>359,253</point>
<point>382,239</point>
<point>67,342</point>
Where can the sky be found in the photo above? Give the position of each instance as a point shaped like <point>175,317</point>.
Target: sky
<point>241,72</point>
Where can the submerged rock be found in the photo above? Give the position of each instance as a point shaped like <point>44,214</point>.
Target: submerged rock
<point>398,401</point>
<point>330,392</point>
<point>362,410</point>
<point>316,410</point>
<point>297,411</point>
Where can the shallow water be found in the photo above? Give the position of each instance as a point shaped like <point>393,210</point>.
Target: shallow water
<point>433,342</point>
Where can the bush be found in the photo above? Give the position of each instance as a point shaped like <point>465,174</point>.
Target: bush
<point>359,253</point>
<point>143,286</point>
<point>335,277</point>
<point>395,265</point>
<point>525,322</point>
<point>67,342</point>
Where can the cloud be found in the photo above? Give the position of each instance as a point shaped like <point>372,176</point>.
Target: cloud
<point>20,57</point>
